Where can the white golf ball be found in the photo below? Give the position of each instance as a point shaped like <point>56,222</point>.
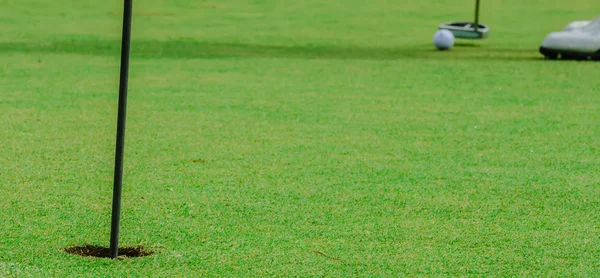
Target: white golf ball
<point>443,39</point>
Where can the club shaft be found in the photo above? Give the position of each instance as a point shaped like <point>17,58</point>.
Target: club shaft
<point>476,15</point>
<point>120,146</point>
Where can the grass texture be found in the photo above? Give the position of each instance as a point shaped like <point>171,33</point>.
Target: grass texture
<point>313,138</point>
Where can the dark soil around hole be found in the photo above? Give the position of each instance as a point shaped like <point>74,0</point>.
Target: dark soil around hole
<point>103,252</point>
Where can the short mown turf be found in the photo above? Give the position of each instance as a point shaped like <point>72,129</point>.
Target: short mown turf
<point>308,138</point>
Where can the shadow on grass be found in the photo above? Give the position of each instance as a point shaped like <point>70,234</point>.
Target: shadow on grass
<point>466,44</point>
<point>191,49</point>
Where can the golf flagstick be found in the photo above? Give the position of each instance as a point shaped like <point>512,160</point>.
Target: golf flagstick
<point>118,179</point>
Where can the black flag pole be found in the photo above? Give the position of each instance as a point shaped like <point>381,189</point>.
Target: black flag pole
<point>118,179</point>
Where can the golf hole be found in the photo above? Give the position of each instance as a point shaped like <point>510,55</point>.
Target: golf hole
<point>103,252</point>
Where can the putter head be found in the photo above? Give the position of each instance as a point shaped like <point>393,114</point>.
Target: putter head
<point>466,30</point>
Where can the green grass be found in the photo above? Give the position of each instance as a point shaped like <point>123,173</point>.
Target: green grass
<point>298,139</point>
